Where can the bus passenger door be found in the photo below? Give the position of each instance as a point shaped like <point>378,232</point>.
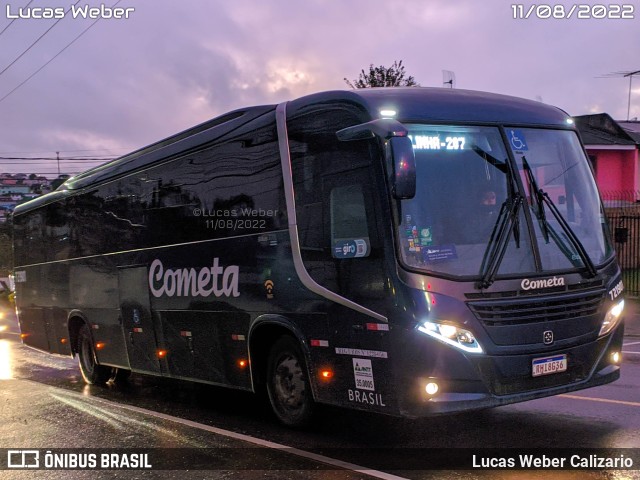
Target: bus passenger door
<point>137,320</point>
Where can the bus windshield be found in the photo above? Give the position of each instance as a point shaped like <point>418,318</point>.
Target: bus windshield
<point>472,201</point>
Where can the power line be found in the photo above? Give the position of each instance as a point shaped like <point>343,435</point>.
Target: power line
<point>55,56</point>
<point>72,151</point>
<point>69,159</point>
<point>43,165</point>
<point>38,39</point>
<point>11,22</point>
<point>625,74</point>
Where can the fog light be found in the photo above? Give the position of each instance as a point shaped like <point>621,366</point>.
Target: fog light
<point>615,356</point>
<point>432,388</point>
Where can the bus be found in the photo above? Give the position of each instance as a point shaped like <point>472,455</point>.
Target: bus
<point>406,251</point>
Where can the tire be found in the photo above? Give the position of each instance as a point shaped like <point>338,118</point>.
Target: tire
<point>92,373</point>
<point>288,385</point>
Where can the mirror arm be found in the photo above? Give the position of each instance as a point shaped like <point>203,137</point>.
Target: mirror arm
<point>384,128</point>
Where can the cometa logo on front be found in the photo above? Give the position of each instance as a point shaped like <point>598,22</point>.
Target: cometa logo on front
<point>528,284</point>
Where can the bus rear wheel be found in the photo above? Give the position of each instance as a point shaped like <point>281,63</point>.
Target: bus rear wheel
<point>288,385</point>
<point>92,373</point>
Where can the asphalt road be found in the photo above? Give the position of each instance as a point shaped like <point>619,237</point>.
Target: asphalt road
<point>44,404</point>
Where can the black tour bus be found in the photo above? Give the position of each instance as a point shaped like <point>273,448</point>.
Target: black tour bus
<point>407,251</point>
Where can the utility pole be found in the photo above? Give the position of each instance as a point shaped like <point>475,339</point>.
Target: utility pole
<point>630,75</point>
<point>58,157</point>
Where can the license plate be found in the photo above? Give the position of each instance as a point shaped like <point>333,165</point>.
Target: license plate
<point>549,365</point>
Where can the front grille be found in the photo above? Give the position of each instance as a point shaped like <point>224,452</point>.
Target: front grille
<point>537,309</point>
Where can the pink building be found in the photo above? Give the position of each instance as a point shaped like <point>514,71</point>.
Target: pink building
<point>613,152</point>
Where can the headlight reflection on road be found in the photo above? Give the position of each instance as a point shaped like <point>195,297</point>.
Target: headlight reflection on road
<point>5,360</point>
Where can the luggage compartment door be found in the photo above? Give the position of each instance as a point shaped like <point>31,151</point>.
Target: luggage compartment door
<point>138,323</point>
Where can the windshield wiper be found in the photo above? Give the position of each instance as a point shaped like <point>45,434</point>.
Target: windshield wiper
<point>507,222</point>
<point>542,199</point>
<point>538,194</point>
<point>573,238</point>
<point>490,159</point>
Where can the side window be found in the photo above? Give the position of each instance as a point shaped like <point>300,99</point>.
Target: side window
<point>336,204</point>
<point>56,237</point>
<point>29,238</point>
<point>87,235</point>
<point>349,226</point>
<point>233,188</point>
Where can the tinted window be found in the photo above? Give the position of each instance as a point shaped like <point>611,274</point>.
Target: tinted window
<point>336,204</point>
<point>233,188</point>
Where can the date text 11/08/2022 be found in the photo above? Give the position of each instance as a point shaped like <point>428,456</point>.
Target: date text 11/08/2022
<point>521,11</point>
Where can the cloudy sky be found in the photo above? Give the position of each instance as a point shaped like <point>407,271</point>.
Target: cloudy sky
<point>174,63</point>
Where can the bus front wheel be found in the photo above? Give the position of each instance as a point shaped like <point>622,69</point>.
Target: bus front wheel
<point>288,385</point>
<point>92,373</point>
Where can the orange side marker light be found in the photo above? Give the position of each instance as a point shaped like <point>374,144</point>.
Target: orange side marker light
<point>326,374</point>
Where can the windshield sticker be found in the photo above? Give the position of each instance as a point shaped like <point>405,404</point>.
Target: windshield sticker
<point>412,236</point>
<point>517,140</point>
<point>426,237</point>
<point>440,253</point>
<point>354,248</point>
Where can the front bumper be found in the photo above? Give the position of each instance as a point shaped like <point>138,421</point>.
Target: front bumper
<point>469,382</point>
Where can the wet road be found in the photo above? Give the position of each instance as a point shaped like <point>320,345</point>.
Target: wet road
<point>45,404</point>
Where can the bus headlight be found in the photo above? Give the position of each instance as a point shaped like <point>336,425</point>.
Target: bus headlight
<point>612,318</point>
<point>452,335</point>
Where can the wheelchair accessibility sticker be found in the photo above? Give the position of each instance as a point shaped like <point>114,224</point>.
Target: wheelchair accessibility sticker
<point>517,140</point>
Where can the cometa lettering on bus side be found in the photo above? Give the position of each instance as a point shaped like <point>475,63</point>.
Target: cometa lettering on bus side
<point>545,283</point>
<point>187,282</point>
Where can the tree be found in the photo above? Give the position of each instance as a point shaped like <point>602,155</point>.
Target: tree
<point>6,259</point>
<point>394,76</point>
<point>59,181</point>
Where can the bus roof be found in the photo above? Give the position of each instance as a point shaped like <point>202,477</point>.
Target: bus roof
<point>425,104</point>
<point>412,104</point>
<point>180,142</point>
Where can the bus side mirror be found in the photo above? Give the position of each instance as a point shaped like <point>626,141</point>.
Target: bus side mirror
<point>399,151</point>
<point>404,168</point>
